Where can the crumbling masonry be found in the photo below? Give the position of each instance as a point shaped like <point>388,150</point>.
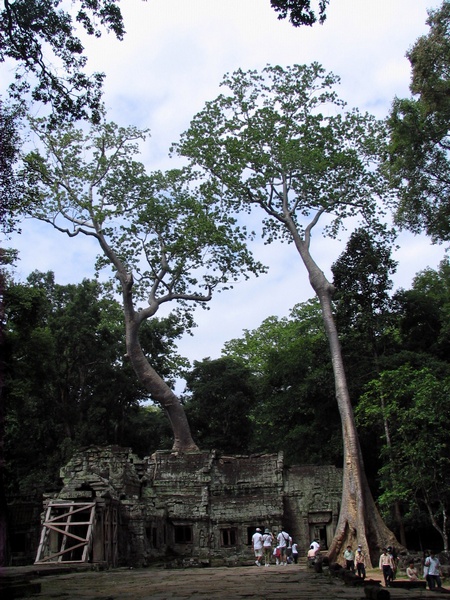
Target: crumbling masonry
<point>192,509</point>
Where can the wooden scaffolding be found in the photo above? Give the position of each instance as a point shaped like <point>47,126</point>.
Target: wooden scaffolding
<point>79,532</point>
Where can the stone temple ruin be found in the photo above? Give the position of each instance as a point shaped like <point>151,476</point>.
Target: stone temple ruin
<point>197,508</point>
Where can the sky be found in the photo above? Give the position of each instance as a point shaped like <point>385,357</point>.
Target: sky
<point>171,62</point>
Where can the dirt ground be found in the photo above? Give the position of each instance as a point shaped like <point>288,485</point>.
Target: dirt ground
<point>230,583</point>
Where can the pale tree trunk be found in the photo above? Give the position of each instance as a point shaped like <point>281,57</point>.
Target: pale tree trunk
<point>153,383</point>
<point>359,519</point>
<point>441,530</point>
<point>4,537</point>
<point>397,510</point>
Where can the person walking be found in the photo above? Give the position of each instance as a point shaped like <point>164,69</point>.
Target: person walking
<point>283,544</point>
<point>257,544</point>
<point>267,539</point>
<point>295,552</point>
<point>387,567</point>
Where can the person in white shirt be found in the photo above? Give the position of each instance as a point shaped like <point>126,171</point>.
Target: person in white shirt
<point>295,552</point>
<point>283,540</point>
<point>349,557</point>
<point>387,567</point>
<point>257,543</point>
<point>434,571</point>
<point>267,546</point>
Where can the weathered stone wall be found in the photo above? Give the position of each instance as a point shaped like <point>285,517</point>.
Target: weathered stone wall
<point>200,507</point>
<point>312,497</point>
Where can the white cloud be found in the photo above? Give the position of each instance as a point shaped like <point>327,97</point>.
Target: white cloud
<point>172,60</point>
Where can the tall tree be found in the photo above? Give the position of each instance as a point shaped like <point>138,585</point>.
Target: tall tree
<point>419,159</point>
<point>362,279</point>
<point>164,241</point>
<point>280,141</point>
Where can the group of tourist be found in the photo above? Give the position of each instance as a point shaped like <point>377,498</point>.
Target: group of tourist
<point>431,569</point>
<point>283,550</point>
<point>280,548</point>
<point>388,564</point>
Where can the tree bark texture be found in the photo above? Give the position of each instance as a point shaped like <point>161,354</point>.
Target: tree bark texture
<point>153,383</point>
<point>359,519</point>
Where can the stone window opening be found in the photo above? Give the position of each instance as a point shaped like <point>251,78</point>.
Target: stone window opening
<point>228,536</point>
<point>152,536</point>
<point>183,534</point>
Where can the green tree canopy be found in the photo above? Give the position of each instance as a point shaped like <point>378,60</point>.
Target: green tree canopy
<point>423,313</point>
<point>362,278</point>
<point>418,160</point>
<point>221,397</point>
<point>68,383</point>
<point>10,187</point>
<point>301,12</point>
<point>280,141</point>
<point>416,460</point>
<point>163,239</point>
<point>40,36</point>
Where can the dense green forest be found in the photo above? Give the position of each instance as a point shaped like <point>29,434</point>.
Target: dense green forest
<point>68,383</point>
<point>81,367</point>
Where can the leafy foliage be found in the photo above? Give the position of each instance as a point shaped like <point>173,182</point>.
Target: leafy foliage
<point>222,396</point>
<point>10,187</point>
<point>362,279</point>
<point>418,160</point>
<point>176,241</point>
<point>423,313</point>
<point>278,150</point>
<point>67,381</point>
<point>300,12</point>
<point>295,391</point>
<point>416,462</point>
<point>40,36</point>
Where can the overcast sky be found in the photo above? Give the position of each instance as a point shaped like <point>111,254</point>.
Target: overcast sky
<point>171,62</point>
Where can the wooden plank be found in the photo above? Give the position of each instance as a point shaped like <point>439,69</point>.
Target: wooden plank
<point>61,553</point>
<point>64,525</point>
<point>79,508</point>
<point>44,536</point>
<point>64,538</point>
<point>89,535</point>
